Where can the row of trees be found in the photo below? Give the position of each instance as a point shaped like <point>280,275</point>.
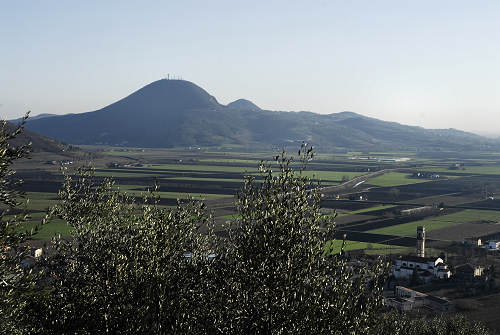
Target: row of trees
<point>138,268</point>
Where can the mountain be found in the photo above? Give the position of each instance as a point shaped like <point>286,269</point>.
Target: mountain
<point>177,113</point>
<point>39,143</point>
<point>243,105</point>
<point>36,117</point>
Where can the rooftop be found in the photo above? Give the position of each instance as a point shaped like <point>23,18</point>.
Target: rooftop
<point>416,259</point>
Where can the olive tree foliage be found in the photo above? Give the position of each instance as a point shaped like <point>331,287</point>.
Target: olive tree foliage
<point>16,284</point>
<point>125,268</point>
<point>398,324</point>
<point>278,277</point>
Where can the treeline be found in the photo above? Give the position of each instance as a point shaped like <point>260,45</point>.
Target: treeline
<point>132,268</point>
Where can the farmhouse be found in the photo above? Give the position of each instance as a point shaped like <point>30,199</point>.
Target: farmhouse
<point>426,267</point>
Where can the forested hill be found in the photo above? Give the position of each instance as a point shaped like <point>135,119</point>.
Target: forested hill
<point>178,113</point>
<point>38,142</point>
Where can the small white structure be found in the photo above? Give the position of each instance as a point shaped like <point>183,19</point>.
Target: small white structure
<point>494,245</point>
<point>426,267</point>
<point>415,211</point>
<point>38,252</point>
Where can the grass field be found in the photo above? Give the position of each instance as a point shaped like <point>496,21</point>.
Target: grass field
<point>491,169</point>
<point>54,228</point>
<point>120,174</point>
<point>469,215</point>
<point>370,248</point>
<point>194,179</point>
<point>394,179</point>
<point>254,162</point>
<point>208,168</point>
<point>138,191</point>
<point>335,176</point>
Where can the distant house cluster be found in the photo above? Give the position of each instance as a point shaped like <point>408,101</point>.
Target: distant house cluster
<point>381,159</point>
<point>59,162</point>
<point>425,175</point>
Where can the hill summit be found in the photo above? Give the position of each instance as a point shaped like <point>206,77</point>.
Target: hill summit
<point>242,104</point>
<point>178,113</point>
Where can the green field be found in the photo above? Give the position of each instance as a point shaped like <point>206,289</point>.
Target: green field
<point>371,248</point>
<point>235,180</point>
<point>468,215</point>
<point>52,229</point>
<point>395,179</point>
<point>492,169</point>
<point>253,162</point>
<point>208,168</point>
<point>120,174</point>
<point>138,191</point>
<point>335,176</point>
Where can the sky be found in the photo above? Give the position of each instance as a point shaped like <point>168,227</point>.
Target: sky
<point>433,64</point>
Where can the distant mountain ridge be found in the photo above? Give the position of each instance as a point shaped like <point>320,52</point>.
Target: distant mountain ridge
<point>178,113</point>
<point>36,117</point>
<point>39,143</point>
<point>243,104</point>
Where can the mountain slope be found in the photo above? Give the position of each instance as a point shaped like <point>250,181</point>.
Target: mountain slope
<point>36,117</point>
<point>170,113</point>
<point>38,142</point>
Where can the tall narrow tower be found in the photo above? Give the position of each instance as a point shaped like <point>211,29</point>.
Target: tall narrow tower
<point>421,241</point>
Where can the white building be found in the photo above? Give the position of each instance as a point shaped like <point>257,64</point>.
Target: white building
<point>494,245</point>
<point>426,267</point>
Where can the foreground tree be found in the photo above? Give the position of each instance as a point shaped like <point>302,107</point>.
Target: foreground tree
<point>16,283</point>
<point>278,276</point>
<point>397,324</point>
<point>127,268</point>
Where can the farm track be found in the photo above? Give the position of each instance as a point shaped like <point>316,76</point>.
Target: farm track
<point>351,184</point>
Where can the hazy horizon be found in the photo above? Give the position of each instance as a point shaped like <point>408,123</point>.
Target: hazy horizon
<point>426,64</point>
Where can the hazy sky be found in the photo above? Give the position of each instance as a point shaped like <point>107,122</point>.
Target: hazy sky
<point>430,63</point>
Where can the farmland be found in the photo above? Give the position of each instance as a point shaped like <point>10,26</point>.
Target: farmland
<point>368,211</point>
<point>439,222</point>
